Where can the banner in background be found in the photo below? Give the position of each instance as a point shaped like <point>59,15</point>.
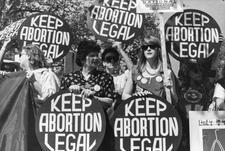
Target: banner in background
<point>51,33</point>
<point>207,130</point>
<point>150,6</point>
<point>192,36</point>
<point>67,121</point>
<point>17,124</point>
<point>11,31</point>
<point>146,122</point>
<point>115,19</point>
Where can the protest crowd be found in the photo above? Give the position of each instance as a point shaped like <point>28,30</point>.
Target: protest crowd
<point>120,90</point>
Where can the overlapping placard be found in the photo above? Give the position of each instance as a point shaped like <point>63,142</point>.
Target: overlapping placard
<point>115,19</point>
<point>67,121</point>
<point>192,36</point>
<point>50,32</point>
<point>207,130</point>
<point>146,122</point>
<point>11,30</point>
<point>150,6</point>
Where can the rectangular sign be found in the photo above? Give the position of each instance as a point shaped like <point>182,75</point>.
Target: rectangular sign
<point>150,6</point>
<point>207,130</point>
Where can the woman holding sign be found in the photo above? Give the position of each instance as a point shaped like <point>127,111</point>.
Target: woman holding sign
<point>148,75</point>
<point>90,82</point>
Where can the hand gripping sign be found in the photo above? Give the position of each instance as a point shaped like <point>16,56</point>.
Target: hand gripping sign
<point>146,122</point>
<point>192,36</point>
<point>51,33</point>
<point>115,19</point>
<point>69,122</point>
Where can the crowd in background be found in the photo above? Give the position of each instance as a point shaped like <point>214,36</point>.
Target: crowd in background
<point>109,76</point>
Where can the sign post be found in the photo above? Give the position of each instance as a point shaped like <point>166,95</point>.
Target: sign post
<point>164,57</point>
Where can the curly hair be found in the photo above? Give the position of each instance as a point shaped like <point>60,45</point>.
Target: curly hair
<point>85,47</point>
<point>37,58</point>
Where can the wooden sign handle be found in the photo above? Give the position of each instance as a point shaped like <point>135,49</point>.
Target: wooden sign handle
<point>164,56</point>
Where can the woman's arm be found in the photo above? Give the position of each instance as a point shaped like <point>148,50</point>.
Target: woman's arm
<point>127,92</point>
<point>3,50</point>
<point>126,58</point>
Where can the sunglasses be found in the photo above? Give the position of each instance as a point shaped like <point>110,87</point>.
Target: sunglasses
<point>145,47</point>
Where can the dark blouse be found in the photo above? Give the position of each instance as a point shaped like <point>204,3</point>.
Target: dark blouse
<point>99,81</point>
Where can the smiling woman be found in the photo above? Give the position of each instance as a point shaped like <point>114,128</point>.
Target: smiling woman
<point>89,81</point>
<point>148,75</point>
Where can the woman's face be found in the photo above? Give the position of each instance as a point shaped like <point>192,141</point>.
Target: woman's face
<point>150,51</point>
<point>110,61</point>
<point>24,60</point>
<point>92,60</point>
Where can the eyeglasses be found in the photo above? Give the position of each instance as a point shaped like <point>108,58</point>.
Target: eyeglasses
<point>145,47</point>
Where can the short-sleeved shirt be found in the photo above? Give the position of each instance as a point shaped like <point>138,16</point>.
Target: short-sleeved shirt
<point>98,79</point>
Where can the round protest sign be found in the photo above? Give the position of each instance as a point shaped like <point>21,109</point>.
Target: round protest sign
<point>51,33</point>
<point>146,122</point>
<point>192,36</point>
<point>69,122</point>
<point>115,19</point>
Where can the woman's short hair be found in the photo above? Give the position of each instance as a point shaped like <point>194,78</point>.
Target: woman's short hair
<point>37,58</point>
<point>84,48</point>
<point>110,54</point>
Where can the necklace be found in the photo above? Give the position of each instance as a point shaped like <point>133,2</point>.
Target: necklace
<point>147,75</point>
<point>153,72</point>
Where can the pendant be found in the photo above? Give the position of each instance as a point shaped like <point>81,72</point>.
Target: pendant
<point>97,88</point>
<point>138,77</point>
<point>144,80</point>
<point>158,79</point>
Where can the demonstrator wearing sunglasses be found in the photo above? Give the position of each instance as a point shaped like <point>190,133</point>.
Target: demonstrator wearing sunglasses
<point>148,75</point>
